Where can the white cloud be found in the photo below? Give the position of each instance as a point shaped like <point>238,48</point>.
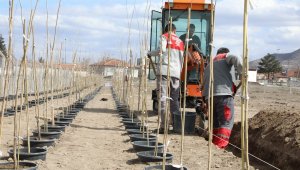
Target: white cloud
<point>273,24</point>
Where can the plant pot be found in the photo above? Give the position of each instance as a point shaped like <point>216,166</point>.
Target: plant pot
<point>78,106</point>
<point>134,131</point>
<point>134,127</point>
<point>60,123</point>
<point>122,110</point>
<point>145,146</point>
<point>70,116</point>
<point>129,119</point>
<point>19,108</point>
<point>50,134</point>
<point>35,154</point>
<point>140,137</point>
<point>35,142</point>
<point>128,123</point>
<point>124,116</point>
<point>22,166</point>
<point>55,128</point>
<point>63,119</point>
<point>190,118</point>
<point>148,156</point>
<point>9,113</point>
<point>74,110</point>
<point>167,167</point>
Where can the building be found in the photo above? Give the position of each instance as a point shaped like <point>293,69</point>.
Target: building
<point>252,75</point>
<point>108,67</point>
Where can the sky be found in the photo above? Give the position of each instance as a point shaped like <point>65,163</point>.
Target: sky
<point>97,28</point>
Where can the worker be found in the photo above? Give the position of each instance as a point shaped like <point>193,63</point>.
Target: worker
<point>225,65</point>
<point>193,39</point>
<point>175,65</point>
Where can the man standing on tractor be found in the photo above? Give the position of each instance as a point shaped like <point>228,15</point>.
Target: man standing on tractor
<point>193,39</point>
<point>175,66</point>
<point>224,91</point>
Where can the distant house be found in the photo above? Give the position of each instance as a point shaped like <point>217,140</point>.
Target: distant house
<point>288,74</point>
<point>108,67</point>
<point>252,75</point>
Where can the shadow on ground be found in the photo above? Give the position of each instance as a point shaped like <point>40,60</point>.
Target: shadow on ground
<point>99,110</point>
<point>134,161</point>
<point>95,128</point>
<point>131,150</point>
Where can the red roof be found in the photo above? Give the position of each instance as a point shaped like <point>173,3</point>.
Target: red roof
<point>111,62</point>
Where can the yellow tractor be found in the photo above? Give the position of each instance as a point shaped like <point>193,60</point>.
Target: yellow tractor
<point>199,39</point>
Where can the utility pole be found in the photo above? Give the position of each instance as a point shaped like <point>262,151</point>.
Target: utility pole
<point>65,50</point>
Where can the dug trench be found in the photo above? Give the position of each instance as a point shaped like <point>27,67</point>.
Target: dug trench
<point>274,137</point>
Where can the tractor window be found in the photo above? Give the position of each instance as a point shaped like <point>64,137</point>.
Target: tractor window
<point>155,29</point>
<point>156,25</point>
<point>201,20</point>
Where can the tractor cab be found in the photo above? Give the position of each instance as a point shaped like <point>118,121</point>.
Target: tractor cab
<point>200,22</point>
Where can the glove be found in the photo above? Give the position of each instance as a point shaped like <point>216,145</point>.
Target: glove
<point>148,53</point>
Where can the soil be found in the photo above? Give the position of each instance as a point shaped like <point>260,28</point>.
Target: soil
<point>275,137</point>
<point>97,139</point>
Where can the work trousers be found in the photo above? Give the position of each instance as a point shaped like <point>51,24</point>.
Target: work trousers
<point>223,120</point>
<point>174,96</point>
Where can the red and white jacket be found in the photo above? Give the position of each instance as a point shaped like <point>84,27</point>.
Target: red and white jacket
<point>176,55</point>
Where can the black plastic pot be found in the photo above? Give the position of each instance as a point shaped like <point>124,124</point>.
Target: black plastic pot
<point>133,127</point>
<point>124,116</point>
<point>63,119</point>
<point>134,131</point>
<point>22,166</point>
<point>35,142</point>
<point>78,106</point>
<point>9,113</point>
<point>82,104</point>
<point>148,156</point>
<point>49,134</point>
<point>167,167</point>
<point>19,108</point>
<point>61,123</point>
<point>35,153</point>
<point>190,118</point>
<point>55,128</point>
<point>129,119</point>
<point>139,137</point>
<point>71,116</point>
<point>145,146</point>
<point>119,106</point>
<point>128,123</point>
<point>70,112</point>
<point>122,110</point>
<point>74,110</point>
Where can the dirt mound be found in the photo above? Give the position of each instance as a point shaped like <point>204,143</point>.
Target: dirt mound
<point>274,137</point>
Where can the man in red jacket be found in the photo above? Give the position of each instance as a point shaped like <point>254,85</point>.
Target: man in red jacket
<point>176,59</point>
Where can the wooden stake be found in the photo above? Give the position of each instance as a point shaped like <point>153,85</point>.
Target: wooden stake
<point>185,84</point>
<point>244,101</point>
<point>211,87</point>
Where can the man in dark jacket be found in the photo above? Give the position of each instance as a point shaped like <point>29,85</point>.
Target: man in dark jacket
<point>225,65</point>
